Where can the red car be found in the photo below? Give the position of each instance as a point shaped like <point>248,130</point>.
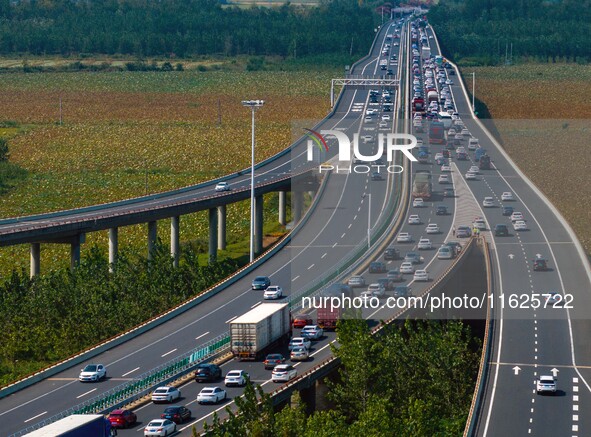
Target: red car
<point>122,418</point>
<point>302,320</point>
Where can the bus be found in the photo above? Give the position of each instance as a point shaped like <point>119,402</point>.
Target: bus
<point>436,132</point>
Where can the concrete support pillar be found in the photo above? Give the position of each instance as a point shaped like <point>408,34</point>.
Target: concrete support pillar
<point>113,248</point>
<point>282,207</point>
<point>152,237</point>
<point>222,227</point>
<point>35,259</point>
<point>175,240</point>
<point>75,253</point>
<point>297,206</point>
<point>258,225</point>
<point>213,237</point>
<point>308,396</point>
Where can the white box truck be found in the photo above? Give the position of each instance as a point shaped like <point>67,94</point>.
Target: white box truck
<point>260,329</point>
<point>76,425</point>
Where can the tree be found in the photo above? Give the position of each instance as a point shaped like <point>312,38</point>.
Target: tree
<point>4,150</point>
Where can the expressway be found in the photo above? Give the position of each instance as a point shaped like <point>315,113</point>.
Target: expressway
<point>529,341</point>
<point>337,224</point>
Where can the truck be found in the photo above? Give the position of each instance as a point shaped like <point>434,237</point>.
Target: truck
<point>436,132</point>
<point>418,104</point>
<point>425,53</point>
<point>422,186</point>
<point>327,316</point>
<point>76,425</point>
<point>259,330</point>
<point>484,162</point>
<point>432,96</point>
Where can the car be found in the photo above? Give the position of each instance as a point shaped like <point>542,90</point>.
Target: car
<point>488,202</point>
<point>160,427</point>
<point>376,289</point>
<point>391,253</point>
<point>383,125</point>
<point>388,284</point>
<point>356,281</point>
<point>516,215</point>
<point>207,372</point>
<point>176,413</point>
<point>377,267</point>
<point>368,118</point>
<point>473,144</point>
<point>479,224</point>
<point>520,225</point>
<point>377,176</point>
<point>93,373</point>
<point>386,117</point>
<point>414,219</point>
<point>122,418</point>
<point>404,237</point>
<point>458,138</point>
<point>284,373</point>
<point>438,155</point>
<point>463,232</point>
<point>465,132</point>
<point>444,252</point>
<point>449,82</point>
<point>394,274</point>
<point>421,276</point>
<point>474,169</point>
<point>401,291</point>
<point>418,203</point>
<point>501,230</point>
<point>299,342</point>
<point>424,244</point>
<point>507,210</point>
<point>236,378</point>
<point>407,267</point>
<point>443,179</point>
<point>449,192</point>
<point>299,354</point>
<point>211,395</point>
<point>553,298</point>
<point>260,282</point>
<point>507,196</point>
<point>222,186</point>
<point>446,167</point>
<point>470,176</point>
<point>432,228</point>
<point>366,138</point>
<point>312,332</point>
<point>273,292</point>
<point>455,246</point>
<point>412,257</point>
<point>165,394</point>
<point>540,264</point>
<point>546,384</point>
<point>451,132</point>
<point>441,210</point>
<point>272,360</point>
<point>301,320</point>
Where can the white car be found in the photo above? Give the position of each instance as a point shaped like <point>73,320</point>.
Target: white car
<point>488,202</point>
<point>465,132</point>
<point>432,228</point>
<point>449,82</point>
<point>507,196</point>
<point>160,427</point>
<point>385,117</point>
<point>404,237</point>
<point>520,225</point>
<point>211,395</point>
<point>273,292</point>
<point>474,169</point>
<point>438,155</point>
<point>473,144</point>
<point>517,216</point>
<point>165,394</point>
<point>444,252</point>
<point>446,167</point>
<point>470,176</point>
<point>376,290</point>
<point>452,132</point>
<point>546,384</point>
<point>371,111</point>
<point>236,377</point>
<point>222,186</point>
<point>418,203</point>
<point>414,219</point>
<point>356,281</point>
<point>366,138</point>
<point>299,342</point>
<point>421,275</point>
<point>407,267</point>
<point>283,373</point>
<point>313,332</point>
<point>479,224</point>
<point>93,373</point>
<point>424,244</point>
<point>443,179</point>
<point>383,125</point>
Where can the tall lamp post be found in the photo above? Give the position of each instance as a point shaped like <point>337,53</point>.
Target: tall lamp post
<point>368,219</point>
<point>253,105</point>
<point>473,89</point>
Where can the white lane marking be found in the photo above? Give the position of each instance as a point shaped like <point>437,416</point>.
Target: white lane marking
<point>323,255</point>
<point>84,394</point>
<point>350,224</point>
<point>229,320</point>
<point>344,233</point>
<point>168,353</point>
<point>34,417</point>
<point>256,304</point>
<point>335,245</point>
<point>131,371</point>
<point>312,265</point>
<point>202,335</point>
<point>294,279</point>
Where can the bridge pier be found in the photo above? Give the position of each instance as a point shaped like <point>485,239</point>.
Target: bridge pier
<point>175,240</point>
<point>35,259</point>
<point>282,207</point>
<point>297,199</point>
<point>222,227</point>
<point>258,225</point>
<point>152,237</point>
<point>213,231</point>
<point>308,396</point>
<point>75,252</point>
<point>113,248</point>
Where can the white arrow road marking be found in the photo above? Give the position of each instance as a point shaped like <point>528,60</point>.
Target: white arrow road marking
<point>511,256</point>
<point>516,369</point>
<point>555,372</point>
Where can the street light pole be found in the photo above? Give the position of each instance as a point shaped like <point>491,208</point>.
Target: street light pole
<point>368,220</point>
<point>473,88</point>
<point>253,105</point>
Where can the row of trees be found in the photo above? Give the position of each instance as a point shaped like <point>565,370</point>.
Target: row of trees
<point>182,28</point>
<point>415,380</point>
<point>538,29</point>
<point>62,312</point>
